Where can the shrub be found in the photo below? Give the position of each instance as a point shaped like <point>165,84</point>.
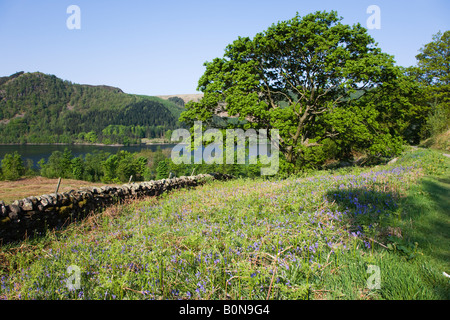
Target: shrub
<point>162,170</point>
<point>438,120</point>
<point>12,167</point>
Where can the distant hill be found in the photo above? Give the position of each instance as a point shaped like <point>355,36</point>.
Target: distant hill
<point>41,108</point>
<point>185,97</point>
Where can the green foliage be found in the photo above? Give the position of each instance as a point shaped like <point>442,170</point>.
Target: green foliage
<point>59,164</point>
<point>77,165</point>
<point>434,64</point>
<point>303,77</point>
<point>168,135</point>
<point>397,107</point>
<point>109,167</point>
<point>174,108</point>
<point>93,165</point>
<point>432,72</point>
<point>129,165</point>
<point>12,167</point>
<point>13,76</point>
<point>98,166</point>
<point>162,170</point>
<point>438,120</point>
<point>91,137</point>
<point>315,157</point>
<point>177,101</point>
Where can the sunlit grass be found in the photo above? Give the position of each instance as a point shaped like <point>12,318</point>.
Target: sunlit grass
<point>298,238</point>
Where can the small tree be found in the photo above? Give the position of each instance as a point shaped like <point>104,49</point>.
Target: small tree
<point>109,167</point>
<point>433,65</point>
<point>126,166</point>
<point>162,170</point>
<point>12,166</point>
<point>59,164</point>
<point>168,135</point>
<point>142,170</point>
<point>91,137</point>
<point>78,168</point>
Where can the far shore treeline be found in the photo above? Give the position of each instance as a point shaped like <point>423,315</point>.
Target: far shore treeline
<point>106,167</point>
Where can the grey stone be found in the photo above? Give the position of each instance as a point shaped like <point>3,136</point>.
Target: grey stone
<point>96,190</point>
<point>393,161</point>
<point>17,203</point>
<point>27,205</point>
<point>33,199</point>
<point>14,212</point>
<point>4,209</point>
<point>45,200</point>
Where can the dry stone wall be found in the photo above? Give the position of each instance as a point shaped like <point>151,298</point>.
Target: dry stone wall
<point>34,215</point>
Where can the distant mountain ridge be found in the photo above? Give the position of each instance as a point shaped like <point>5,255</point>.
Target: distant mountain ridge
<point>41,108</point>
<point>185,97</point>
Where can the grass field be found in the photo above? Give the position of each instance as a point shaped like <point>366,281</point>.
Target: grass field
<point>37,186</point>
<point>353,233</point>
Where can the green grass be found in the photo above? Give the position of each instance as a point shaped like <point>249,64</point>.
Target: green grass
<point>429,218</point>
<point>298,238</point>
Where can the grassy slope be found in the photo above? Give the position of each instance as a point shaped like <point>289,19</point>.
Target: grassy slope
<point>300,238</point>
<point>439,142</point>
<point>413,266</point>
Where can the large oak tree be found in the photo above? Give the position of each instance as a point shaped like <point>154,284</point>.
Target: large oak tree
<point>303,77</point>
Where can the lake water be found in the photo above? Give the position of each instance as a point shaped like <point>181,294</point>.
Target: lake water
<point>37,152</point>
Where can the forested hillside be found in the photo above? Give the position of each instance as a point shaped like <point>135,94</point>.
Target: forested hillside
<point>41,108</point>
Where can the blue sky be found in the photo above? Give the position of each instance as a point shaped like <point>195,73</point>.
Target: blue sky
<point>159,47</point>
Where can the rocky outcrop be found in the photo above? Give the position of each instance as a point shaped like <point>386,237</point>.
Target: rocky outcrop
<point>34,215</point>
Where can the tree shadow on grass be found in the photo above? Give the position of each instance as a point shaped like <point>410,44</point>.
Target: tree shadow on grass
<point>429,213</point>
<point>425,215</point>
<point>366,210</point>
<point>425,220</point>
